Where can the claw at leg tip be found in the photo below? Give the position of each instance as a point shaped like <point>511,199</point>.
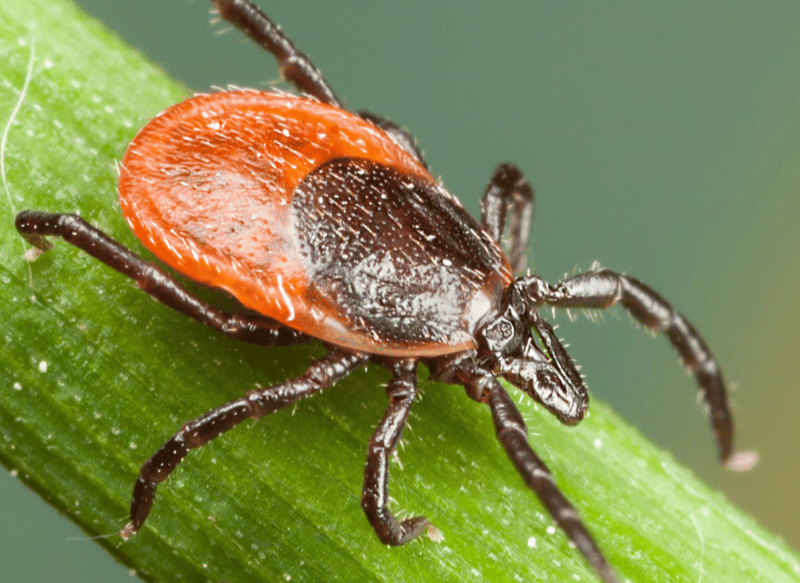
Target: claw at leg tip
<point>126,532</point>
<point>434,533</point>
<point>33,254</point>
<point>742,461</point>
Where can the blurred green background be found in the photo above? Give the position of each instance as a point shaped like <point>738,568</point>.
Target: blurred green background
<point>663,141</point>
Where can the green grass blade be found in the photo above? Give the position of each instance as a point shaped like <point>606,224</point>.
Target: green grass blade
<point>94,377</point>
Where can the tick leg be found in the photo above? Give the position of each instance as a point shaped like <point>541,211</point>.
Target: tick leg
<point>401,135</point>
<point>401,390</point>
<point>255,404</point>
<point>35,226</point>
<point>295,66</point>
<point>509,192</point>
<point>602,289</point>
<point>513,436</point>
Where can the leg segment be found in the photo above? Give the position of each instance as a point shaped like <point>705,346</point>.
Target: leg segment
<point>401,135</point>
<point>374,497</point>
<point>509,192</point>
<point>35,226</point>
<point>602,289</point>
<point>295,66</point>
<point>255,404</point>
<point>513,436</point>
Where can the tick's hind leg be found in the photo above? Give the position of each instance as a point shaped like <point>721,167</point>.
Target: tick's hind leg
<point>295,66</point>
<point>375,496</point>
<point>252,328</point>
<point>320,375</point>
<point>509,193</point>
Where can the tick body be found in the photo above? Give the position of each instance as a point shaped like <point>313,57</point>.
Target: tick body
<point>312,216</point>
<point>328,226</point>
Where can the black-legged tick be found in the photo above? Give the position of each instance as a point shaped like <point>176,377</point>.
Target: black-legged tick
<point>328,225</point>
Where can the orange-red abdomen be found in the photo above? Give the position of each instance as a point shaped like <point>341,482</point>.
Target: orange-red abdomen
<point>209,187</point>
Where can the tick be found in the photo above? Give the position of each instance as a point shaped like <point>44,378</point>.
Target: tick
<point>327,225</point>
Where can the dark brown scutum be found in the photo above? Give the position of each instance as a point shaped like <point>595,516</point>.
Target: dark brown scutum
<point>393,255</point>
